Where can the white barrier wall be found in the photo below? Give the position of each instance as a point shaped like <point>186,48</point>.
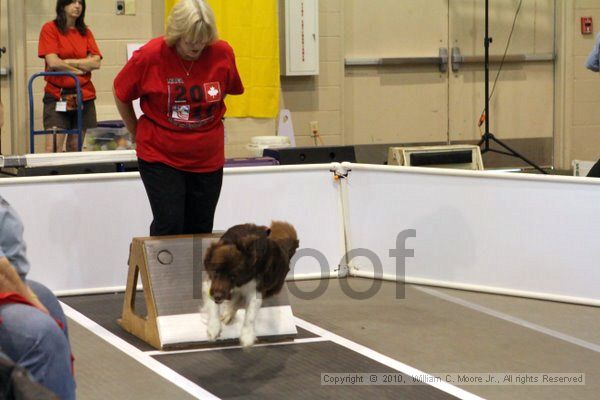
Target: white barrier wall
<point>306,196</point>
<point>528,235</point>
<point>78,228</point>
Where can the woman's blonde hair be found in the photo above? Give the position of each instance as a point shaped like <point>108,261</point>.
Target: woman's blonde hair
<point>192,20</point>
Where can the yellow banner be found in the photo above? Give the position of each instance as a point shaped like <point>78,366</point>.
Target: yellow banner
<point>251,28</point>
<point>168,5</point>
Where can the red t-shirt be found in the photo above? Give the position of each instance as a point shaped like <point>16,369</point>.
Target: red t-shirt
<point>67,45</point>
<point>183,103</point>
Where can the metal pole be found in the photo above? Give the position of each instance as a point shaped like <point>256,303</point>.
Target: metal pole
<point>487,42</point>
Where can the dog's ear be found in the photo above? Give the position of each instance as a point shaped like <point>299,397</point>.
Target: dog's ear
<point>209,252</point>
<point>222,256</point>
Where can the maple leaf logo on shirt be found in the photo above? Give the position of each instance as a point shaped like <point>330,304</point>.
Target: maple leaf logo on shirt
<point>212,92</point>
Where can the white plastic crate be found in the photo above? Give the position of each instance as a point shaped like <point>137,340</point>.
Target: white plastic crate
<point>582,168</point>
<point>449,156</point>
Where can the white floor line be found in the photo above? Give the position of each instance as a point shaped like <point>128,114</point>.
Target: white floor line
<point>385,360</point>
<point>296,341</point>
<point>144,359</point>
<point>510,318</point>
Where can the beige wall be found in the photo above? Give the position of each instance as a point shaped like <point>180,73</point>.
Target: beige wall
<point>309,98</point>
<point>5,140</point>
<point>400,103</point>
<point>582,87</point>
<point>322,98</point>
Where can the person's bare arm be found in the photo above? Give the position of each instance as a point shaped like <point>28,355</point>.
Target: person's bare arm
<point>90,63</point>
<point>127,115</point>
<point>11,282</point>
<point>55,63</point>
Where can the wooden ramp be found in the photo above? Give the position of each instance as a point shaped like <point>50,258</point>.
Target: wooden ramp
<point>171,269</point>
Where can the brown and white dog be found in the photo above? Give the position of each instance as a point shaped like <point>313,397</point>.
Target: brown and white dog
<point>248,263</point>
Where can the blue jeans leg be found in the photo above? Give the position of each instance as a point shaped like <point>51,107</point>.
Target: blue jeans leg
<point>34,340</point>
<point>49,300</point>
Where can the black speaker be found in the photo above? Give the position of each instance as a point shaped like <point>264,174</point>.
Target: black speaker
<point>440,158</point>
<point>311,155</point>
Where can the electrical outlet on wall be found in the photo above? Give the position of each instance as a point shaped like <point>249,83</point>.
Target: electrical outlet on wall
<point>120,7</point>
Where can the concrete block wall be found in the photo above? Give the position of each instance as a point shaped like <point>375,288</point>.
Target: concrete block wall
<point>316,98</point>
<point>112,32</point>
<point>583,142</point>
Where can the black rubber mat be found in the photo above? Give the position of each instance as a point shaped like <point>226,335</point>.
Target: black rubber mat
<point>105,309</point>
<point>288,372</point>
<point>273,372</point>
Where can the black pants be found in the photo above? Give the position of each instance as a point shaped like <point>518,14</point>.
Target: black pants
<point>182,202</point>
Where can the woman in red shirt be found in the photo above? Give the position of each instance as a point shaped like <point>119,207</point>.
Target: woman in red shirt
<point>181,80</point>
<point>66,44</point>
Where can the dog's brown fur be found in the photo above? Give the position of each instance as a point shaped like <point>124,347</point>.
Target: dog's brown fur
<point>249,251</point>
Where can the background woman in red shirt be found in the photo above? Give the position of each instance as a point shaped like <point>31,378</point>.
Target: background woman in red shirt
<point>66,44</point>
<point>182,80</point>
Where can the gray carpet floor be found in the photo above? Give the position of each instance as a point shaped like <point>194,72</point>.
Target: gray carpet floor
<point>427,330</point>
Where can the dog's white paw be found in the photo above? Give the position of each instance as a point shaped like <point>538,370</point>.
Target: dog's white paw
<point>228,316</point>
<point>247,337</point>
<point>213,330</point>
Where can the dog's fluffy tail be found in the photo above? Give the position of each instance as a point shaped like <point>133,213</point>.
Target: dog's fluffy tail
<point>285,236</point>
